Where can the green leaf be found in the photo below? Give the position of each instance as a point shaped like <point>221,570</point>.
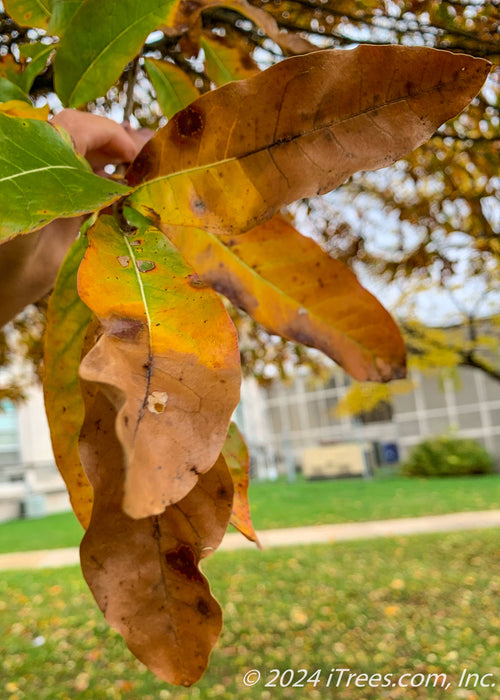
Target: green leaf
<point>9,91</point>
<point>62,14</point>
<point>67,321</point>
<point>225,60</point>
<point>173,89</point>
<point>39,54</point>
<point>39,166</point>
<point>101,38</point>
<point>29,13</point>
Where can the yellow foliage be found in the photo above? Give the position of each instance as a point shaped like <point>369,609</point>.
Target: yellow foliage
<point>431,349</point>
<point>365,396</point>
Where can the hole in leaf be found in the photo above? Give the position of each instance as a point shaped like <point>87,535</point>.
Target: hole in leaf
<point>157,401</point>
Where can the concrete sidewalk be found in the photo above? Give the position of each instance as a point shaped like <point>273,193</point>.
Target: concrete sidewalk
<point>52,558</point>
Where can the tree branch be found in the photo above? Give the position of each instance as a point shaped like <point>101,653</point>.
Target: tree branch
<point>477,363</point>
<point>131,79</point>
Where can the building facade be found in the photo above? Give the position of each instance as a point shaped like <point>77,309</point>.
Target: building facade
<point>283,420</point>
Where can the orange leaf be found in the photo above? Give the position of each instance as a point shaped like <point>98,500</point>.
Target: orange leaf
<point>235,452</point>
<point>236,155</point>
<point>168,359</point>
<point>287,283</point>
<point>144,573</point>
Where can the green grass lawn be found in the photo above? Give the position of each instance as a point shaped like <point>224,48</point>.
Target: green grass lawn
<point>355,500</point>
<point>426,604</point>
<point>281,504</point>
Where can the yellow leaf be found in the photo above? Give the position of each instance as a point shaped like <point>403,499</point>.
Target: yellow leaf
<point>67,322</point>
<point>188,17</point>
<point>19,108</point>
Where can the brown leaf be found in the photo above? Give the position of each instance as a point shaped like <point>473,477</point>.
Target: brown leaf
<point>168,359</point>
<point>235,452</point>
<point>144,573</point>
<point>236,155</point>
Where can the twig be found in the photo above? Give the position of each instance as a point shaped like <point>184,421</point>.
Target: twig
<point>131,78</point>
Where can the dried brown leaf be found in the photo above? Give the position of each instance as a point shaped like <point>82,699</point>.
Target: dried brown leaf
<point>144,573</point>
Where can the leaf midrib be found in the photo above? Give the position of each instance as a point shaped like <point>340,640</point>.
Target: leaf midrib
<point>141,287</point>
<point>37,170</point>
<point>149,371</point>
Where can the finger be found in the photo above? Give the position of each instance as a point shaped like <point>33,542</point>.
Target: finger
<point>99,139</point>
<point>108,154</point>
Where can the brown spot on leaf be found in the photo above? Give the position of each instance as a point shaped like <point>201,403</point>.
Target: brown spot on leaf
<point>141,167</point>
<point>235,292</point>
<point>247,61</point>
<point>157,401</point>
<point>300,334</point>
<point>190,6</point>
<point>410,87</point>
<point>197,206</point>
<point>183,561</point>
<point>188,124</point>
<point>196,281</point>
<point>123,328</point>
<point>203,607</point>
<point>124,260</point>
<point>153,216</point>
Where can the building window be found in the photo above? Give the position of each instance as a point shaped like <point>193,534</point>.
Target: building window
<point>9,436</point>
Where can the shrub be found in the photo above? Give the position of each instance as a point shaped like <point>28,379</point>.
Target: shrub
<point>448,456</point>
